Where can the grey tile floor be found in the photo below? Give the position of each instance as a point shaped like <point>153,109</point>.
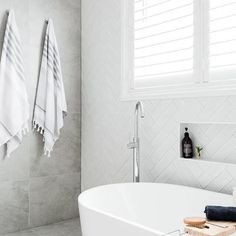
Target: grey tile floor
<point>65,228</point>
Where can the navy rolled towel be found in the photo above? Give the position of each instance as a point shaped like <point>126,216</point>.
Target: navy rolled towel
<point>220,213</point>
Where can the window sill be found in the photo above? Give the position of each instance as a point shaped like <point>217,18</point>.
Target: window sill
<point>180,91</point>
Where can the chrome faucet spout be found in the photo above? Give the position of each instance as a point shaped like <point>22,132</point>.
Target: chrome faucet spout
<point>135,144</point>
<point>138,108</point>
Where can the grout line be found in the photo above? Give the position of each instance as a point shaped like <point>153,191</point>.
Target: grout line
<point>29,195</point>
<point>81,76</point>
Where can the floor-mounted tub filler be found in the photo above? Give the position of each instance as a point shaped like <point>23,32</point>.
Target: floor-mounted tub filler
<point>143,209</point>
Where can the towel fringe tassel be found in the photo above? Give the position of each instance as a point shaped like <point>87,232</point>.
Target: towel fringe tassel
<point>38,128</point>
<point>47,153</point>
<point>24,130</point>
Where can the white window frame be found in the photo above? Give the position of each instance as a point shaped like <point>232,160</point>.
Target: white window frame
<point>200,85</point>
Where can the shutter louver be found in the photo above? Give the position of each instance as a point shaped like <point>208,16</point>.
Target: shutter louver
<point>163,38</point>
<point>222,45</point>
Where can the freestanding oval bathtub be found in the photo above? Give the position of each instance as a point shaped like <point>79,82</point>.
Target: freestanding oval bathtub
<point>142,209</point>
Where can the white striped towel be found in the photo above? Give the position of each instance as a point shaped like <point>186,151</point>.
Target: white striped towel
<point>14,106</point>
<point>50,105</point>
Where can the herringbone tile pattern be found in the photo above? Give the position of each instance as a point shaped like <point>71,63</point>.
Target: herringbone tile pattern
<point>107,123</point>
<point>106,159</point>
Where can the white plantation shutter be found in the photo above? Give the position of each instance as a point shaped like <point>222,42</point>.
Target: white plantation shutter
<point>174,47</point>
<point>222,38</point>
<point>163,39</point>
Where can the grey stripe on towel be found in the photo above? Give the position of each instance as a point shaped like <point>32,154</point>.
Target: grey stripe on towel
<point>12,49</point>
<point>50,52</point>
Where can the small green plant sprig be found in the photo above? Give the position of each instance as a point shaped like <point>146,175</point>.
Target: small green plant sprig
<point>198,150</point>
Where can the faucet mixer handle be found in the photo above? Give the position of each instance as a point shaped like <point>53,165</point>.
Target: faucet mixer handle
<point>132,145</point>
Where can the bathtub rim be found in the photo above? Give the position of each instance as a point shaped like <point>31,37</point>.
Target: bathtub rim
<point>82,196</point>
<point>113,216</point>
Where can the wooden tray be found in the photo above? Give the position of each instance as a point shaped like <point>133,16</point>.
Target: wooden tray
<point>216,228</point>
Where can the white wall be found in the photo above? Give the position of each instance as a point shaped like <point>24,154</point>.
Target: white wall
<point>107,123</point>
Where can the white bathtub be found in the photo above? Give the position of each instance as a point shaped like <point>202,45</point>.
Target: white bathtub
<point>143,209</point>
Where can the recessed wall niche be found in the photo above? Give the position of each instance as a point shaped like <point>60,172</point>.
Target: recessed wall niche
<point>218,140</point>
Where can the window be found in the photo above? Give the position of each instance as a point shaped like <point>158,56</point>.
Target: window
<point>179,48</point>
<point>222,39</point>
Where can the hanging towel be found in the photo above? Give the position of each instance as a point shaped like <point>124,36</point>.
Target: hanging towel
<point>14,106</point>
<point>50,105</point>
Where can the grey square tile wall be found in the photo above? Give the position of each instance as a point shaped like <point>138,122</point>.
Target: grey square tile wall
<point>70,228</point>
<point>36,190</point>
<point>14,206</point>
<point>53,198</point>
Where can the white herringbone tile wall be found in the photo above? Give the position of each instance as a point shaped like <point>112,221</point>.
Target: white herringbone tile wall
<point>107,123</point>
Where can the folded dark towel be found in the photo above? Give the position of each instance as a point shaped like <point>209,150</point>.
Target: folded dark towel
<point>220,213</point>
